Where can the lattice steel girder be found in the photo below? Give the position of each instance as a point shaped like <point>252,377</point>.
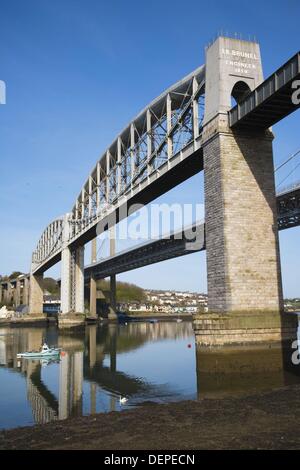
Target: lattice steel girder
<point>137,157</point>
<point>136,140</point>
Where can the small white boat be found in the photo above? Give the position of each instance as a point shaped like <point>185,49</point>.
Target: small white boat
<point>45,351</point>
<point>179,320</point>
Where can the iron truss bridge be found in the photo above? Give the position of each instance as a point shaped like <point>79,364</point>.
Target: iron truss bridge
<point>159,149</point>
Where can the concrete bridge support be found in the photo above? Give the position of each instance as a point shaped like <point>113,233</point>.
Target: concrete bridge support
<point>243,264</point>
<point>72,275</point>
<point>26,291</point>
<point>9,293</point>
<point>241,225</point>
<point>79,280</point>
<point>65,285</point>
<point>36,294</point>
<point>72,280</point>
<point>18,293</point>
<point>112,315</point>
<point>93,296</point>
<point>93,283</point>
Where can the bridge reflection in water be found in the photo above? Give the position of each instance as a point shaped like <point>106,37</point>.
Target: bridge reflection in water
<point>87,378</point>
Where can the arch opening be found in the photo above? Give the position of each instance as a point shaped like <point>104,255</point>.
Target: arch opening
<point>239,92</point>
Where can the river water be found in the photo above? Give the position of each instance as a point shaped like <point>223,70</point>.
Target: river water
<point>116,367</point>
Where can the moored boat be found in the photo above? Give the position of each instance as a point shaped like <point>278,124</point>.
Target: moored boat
<point>45,351</point>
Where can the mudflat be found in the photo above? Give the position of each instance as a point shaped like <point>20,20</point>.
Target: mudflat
<point>262,421</point>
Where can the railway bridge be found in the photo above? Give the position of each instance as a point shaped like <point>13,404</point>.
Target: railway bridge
<point>189,128</point>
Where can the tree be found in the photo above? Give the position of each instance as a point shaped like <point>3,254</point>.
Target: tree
<point>130,293</point>
<point>14,275</point>
<point>51,285</point>
<point>125,292</point>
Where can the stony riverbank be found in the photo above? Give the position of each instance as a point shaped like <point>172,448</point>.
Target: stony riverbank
<point>71,321</point>
<point>262,421</point>
<point>25,320</point>
<point>160,316</point>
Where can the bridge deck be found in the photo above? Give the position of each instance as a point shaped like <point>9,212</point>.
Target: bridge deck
<point>288,208</point>
<point>186,241</point>
<point>269,102</point>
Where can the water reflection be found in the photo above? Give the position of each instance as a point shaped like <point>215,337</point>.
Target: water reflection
<point>87,379</point>
<point>43,403</point>
<point>140,361</point>
<point>236,370</point>
<point>246,370</point>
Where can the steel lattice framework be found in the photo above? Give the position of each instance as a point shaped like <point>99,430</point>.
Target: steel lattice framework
<point>50,242</point>
<point>288,207</point>
<point>159,140</point>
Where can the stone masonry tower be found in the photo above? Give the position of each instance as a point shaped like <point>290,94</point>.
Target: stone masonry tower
<point>243,266</point>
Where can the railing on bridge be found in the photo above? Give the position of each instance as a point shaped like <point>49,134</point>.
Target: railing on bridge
<point>50,242</point>
<point>270,101</point>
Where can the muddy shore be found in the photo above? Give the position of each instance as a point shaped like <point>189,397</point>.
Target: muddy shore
<point>263,421</point>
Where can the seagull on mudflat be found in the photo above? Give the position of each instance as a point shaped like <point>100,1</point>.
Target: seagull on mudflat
<point>123,400</point>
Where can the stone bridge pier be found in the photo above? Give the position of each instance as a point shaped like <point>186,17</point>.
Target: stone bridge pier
<point>36,293</point>
<point>72,274</point>
<point>72,278</point>
<point>94,293</point>
<point>243,264</point>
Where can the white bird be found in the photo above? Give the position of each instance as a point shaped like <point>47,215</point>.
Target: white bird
<point>123,400</point>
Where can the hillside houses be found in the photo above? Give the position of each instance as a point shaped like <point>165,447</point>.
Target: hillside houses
<point>159,301</point>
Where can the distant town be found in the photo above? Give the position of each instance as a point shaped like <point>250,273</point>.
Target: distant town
<point>130,298</point>
<point>168,301</point>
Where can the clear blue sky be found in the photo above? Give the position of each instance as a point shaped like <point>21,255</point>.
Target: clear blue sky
<point>77,71</point>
